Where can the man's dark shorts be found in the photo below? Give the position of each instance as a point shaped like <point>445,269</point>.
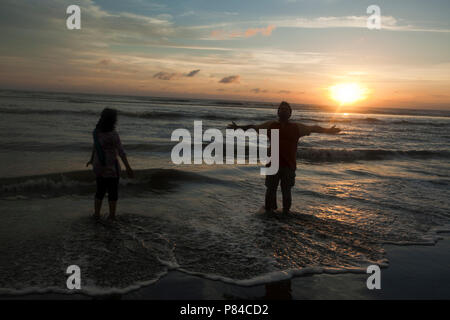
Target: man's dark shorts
<point>285,174</point>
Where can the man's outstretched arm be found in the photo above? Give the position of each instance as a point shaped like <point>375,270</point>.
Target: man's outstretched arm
<point>265,125</point>
<point>307,130</point>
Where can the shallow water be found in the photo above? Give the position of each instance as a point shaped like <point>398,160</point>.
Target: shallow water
<point>384,179</point>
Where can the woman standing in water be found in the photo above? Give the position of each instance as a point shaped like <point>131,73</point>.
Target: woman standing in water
<point>106,148</point>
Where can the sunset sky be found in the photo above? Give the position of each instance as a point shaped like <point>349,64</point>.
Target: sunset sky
<point>293,50</point>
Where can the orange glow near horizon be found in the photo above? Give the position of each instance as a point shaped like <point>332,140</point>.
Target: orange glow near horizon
<point>348,93</point>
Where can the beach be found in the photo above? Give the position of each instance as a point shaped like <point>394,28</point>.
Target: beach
<point>376,193</point>
<point>414,272</point>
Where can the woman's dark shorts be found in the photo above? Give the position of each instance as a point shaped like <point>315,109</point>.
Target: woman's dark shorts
<point>110,185</point>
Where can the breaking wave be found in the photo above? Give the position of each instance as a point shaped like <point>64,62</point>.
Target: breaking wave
<point>171,115</point>
<point>83,182</point>
<point>348,155</point>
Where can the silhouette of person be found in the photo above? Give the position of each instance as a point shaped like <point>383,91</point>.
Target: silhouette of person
<point>289,134</point>
<point>107,146</point>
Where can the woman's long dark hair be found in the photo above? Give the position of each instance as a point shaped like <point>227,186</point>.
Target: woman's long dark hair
<point>108,120</point>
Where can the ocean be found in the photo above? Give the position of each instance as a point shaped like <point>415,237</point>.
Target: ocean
<point>384,179</point>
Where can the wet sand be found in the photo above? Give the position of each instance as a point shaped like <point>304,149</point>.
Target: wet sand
<point>414,272</point>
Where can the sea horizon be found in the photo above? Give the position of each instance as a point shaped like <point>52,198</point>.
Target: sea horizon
<point>401,110</point>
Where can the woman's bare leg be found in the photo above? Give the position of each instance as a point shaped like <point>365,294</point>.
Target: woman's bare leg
<point>112,210</point>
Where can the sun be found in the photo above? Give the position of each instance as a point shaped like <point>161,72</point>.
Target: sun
<point>348,93</point>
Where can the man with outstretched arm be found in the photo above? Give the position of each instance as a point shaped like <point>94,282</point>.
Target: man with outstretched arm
<point>289,134</point>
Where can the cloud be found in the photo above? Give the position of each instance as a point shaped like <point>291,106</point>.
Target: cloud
<point>166,76</point>
<point>332,22</point>
<point>192,73</point>
<point>263,31</point>
<point>387,23</point>
<point>113,52</point>
<point>326,22</point>
<point>174,75</point>
<point>222,34</point>
<point>231,79</point>
<point>104,62</point>
<point>258,90</point>
<point>174,46</point>
<point>42,26</point>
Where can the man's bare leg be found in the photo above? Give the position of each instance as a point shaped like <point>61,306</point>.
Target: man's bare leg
<point>97,207</point>
<point>287,198</point>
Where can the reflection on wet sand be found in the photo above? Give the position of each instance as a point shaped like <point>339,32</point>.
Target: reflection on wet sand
<point>280,290</point>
